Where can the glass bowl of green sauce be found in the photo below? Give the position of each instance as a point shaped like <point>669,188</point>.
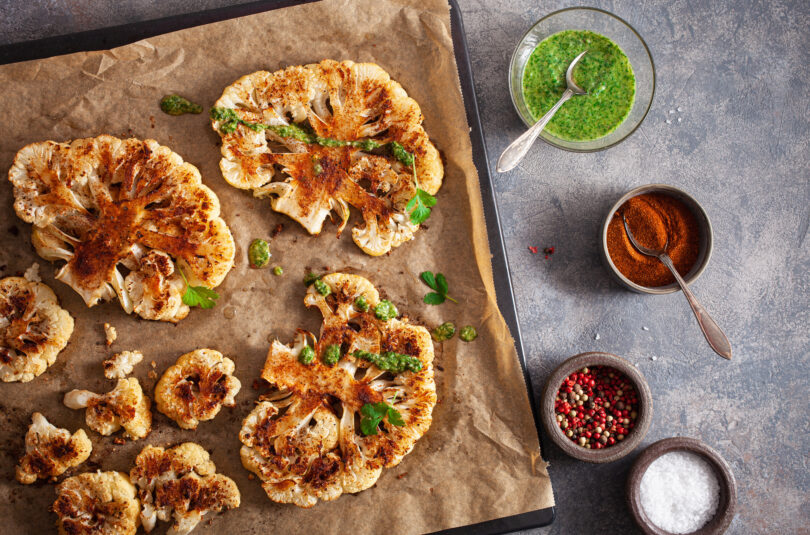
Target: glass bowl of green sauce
<point>618,73</point>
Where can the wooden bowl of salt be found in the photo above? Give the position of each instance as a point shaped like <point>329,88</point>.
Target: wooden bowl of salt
<point>681,485</point>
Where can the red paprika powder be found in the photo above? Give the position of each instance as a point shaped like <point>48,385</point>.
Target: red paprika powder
<point>653,218</point>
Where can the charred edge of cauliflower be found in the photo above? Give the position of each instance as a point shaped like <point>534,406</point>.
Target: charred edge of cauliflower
<point>97,503</point>
<point>303,442</point>
<point>345,101</point>
<point>196,387</point>
<point>121,364</point>
<point>99,202</point>
<point>33,329</point>
<point>50,451</point>
<point>124,406</point>
<point>180,483</point>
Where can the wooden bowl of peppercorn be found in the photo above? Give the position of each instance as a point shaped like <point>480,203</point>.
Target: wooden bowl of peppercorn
<point>596,407</point>
<point>656,211</point>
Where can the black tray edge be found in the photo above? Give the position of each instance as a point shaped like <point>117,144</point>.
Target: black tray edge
<point>114,36</point>
<point>500,268</point>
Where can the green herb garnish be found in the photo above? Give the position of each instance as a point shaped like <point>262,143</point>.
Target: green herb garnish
<point>468,333</point>
<point>401,154</point>
<point>361,304</point>
<point>373,414</point>
<point>177,105</point>
<point>443,332</point>
<point>259,253</point>
<point>438,283</point>
<point>317,168</point>
<point>390,361</point>
<point>385,310</point>
<point>198,296</point>
<point>278,270</point>
<point>366,144</point>
<point>322,288</point>
<point>331,355</point>
<point>419,206</point>
<point>310,277</point>
<point>306,356</point>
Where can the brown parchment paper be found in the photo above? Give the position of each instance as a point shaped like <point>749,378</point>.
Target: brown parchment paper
<point>475,463</point>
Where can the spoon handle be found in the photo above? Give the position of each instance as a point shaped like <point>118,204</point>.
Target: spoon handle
<point>714,335</point>
<point>515,152</point>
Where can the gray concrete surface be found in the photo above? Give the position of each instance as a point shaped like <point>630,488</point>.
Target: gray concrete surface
<point>739,72</point>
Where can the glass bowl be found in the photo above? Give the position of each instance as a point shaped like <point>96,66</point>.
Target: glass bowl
<point>615,29</point>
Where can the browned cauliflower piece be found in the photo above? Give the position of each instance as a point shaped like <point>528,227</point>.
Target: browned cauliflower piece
<point>100,503</point>
<point>121,364</point>
<point>196,387</point>
<point>33,329</point>
<point>110,334</point>
<point>51,451</point>
<point>328,145</point>
<point>303,441</point>
<point>124,406</point>
<point>182,483</point>
<point>98,203</point>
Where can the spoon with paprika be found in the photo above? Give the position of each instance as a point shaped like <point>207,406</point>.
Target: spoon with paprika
<point>714,335</point>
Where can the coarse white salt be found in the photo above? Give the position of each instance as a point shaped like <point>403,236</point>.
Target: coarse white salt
<point>679,492</point>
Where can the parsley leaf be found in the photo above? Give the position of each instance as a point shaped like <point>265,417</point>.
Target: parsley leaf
<point>429,278</point>
<point>436,282</point>
<point>373,414</point>
<point>433,298</point>
<point>419,206</point>
<point>441,282</point>
<point>198,296</point>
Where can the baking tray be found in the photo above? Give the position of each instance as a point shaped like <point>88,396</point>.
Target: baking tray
<point>114,36</point>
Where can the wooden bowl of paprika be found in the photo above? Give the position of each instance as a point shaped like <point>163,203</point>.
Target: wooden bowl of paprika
<point>596,407</point>
<point>657,214</point>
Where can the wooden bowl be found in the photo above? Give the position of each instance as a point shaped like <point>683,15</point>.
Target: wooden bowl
<point>727,505</point>
<point>618,450</point>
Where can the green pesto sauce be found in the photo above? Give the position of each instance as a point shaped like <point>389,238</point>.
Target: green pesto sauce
<point>177,105</point>
<point>604,72</point>
<point>229,120</point>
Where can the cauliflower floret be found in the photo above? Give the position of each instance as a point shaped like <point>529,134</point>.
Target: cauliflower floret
<point>157,289</point>
<point>110,334</point>
<point>180,482</point>
<point>50,451</point>
<point>124,406</point>
<point>304,449</point>
<point>196,387</point>
<point>32,273</point>
<point>121,364</point>
<point>101,503</point>
<point>99,202</point>
<point>373,122</point>
<point>33,329</point>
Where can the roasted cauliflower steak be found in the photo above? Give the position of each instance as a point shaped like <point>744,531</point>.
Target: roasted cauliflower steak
<point>51,451</point>
<point>124,406</point>
<point>196,387</point>
<point>100,503</point>
<point>303,440</point>
<point>122,214</point>
<point>180,482</point>
<point>33,329</point>
<point>320,137</point>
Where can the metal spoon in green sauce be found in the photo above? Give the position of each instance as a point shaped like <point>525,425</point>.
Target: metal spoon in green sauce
<point>604,73</point>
